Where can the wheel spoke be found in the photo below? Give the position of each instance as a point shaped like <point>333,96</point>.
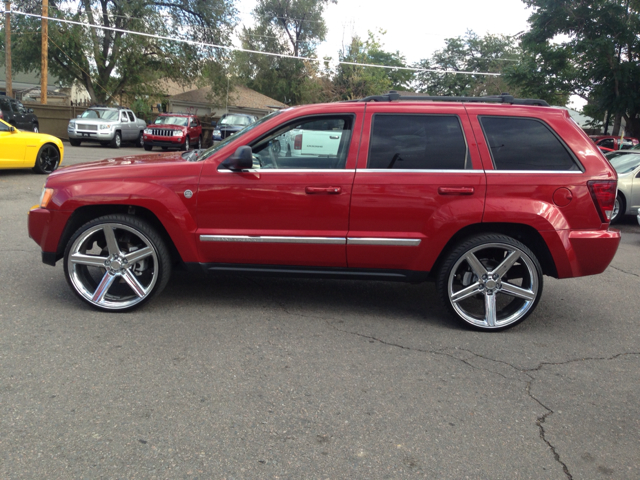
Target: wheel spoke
<point>507,263</point>
<point>89,260</point>
<point>475,264</point>
<point>132,281</point>
<point>103,288</point>
<point>470,291</point>
<point>490,309</point>
<point>138,255</point>
<point>112,243</point>
<point>516,291</point>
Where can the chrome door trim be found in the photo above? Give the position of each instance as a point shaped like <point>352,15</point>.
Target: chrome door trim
<point>272,239</point>
<point>394,242</point>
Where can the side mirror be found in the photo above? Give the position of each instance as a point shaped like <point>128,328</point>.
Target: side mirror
<point>240,160</point>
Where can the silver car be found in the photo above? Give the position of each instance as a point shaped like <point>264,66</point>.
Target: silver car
<point>627,164</point>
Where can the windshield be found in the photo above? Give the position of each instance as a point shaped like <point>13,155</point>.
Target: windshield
<point>624,162</point>
<point>240,120</point>
<point>207,153</point>
<point>103,114</point>
<point>182,121</point>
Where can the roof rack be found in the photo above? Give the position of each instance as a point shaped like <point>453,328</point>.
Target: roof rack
<point>503,98</point>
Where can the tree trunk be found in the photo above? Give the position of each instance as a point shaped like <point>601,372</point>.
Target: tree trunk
<point>616,124</point>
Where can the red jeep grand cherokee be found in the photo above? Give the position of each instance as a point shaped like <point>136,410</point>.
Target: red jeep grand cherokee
<point>483,195</point>
<point>173,130</point>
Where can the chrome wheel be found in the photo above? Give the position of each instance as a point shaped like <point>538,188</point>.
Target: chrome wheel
<point>48,159</point>
<point>491,282</point>
<point>113,264</point>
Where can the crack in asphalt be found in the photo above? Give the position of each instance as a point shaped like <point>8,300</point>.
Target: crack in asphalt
<point>624,271</point>
<point>539,421</point>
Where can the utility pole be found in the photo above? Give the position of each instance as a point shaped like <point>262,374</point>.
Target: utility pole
<point>7,52</point>
<point>44,70</point>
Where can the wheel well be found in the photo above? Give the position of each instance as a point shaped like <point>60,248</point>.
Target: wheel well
<point>85,214</point>
<point>523,233</point>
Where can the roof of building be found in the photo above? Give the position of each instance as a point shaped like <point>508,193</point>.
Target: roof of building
<point>240,97</point>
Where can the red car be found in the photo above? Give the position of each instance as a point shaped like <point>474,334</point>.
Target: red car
<point>482,198</point>
<point>609,143</point>
<point>173,130</point>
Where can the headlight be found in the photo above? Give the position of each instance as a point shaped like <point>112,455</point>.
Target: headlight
<point>45,197</point>
<point>178,133</point>
<point>104,126</point>
<point>148,131</point>
<point>216,132</point>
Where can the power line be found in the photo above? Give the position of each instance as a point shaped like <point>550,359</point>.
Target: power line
<point>237,49</point>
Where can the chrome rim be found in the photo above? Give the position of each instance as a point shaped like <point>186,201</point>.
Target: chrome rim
<point>113,266</point>
<point>49,158</point>
<point>493,285</point>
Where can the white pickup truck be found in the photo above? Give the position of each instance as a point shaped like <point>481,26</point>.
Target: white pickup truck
<point>319,138</point>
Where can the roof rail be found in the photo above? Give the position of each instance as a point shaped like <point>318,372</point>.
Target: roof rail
<point>503,98</point>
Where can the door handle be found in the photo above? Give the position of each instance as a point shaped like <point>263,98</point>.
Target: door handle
<point>327,190</point>
<point>456,190</point>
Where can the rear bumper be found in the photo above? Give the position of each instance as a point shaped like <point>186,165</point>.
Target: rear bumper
<point>578,253</point>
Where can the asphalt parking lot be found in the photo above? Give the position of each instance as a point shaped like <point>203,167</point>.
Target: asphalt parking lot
<point>287,378</point>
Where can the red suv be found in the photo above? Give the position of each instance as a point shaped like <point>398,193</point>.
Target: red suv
<point>173,130</point>
<point>482,195</point>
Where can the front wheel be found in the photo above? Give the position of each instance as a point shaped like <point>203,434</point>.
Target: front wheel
<point>48,159</point>
<point>116,262</point>
<point>490,282</point>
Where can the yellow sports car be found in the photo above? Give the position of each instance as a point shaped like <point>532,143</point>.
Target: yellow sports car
<point>20,149</point>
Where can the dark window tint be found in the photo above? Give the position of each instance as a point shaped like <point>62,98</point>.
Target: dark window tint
<point>420,142</point>
<point>525,144</point>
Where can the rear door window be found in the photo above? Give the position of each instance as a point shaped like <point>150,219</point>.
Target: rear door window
<point>525,144</point>
<point>417,142</point>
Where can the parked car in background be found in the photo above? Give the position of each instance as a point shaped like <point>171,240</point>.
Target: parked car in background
<point>38,151</point>
<point>627,165</point>
<point>108,126</point>
<point>483,196</point>
<point>231,123</point>
<point>173,130</point>
<point>16,114</point>
<point>609,143</point>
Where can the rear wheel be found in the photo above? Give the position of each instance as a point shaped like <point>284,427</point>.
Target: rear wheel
<point>490,282</point>
<point>116,262</point>
<point>48,159</point>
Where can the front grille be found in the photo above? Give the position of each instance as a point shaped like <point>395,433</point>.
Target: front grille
<point>85,126</point>
<point>162,132</point>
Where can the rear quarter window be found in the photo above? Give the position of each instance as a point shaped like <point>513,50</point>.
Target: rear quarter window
<point>525,144</point>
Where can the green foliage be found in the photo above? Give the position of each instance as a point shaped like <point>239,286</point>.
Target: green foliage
<point>110,64</point>
<point>288,27</point>
<point>588,48</point>
<point>356,81</point>
<point>471,53</point>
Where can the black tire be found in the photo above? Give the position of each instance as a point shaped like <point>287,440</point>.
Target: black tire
<point>148,148</point>
<point>186,145</point>
<point>619,208</point>
<point>116,142</point>
<point>116,263</point>
<point>35,128</point>
<point>74,143</point>
<point>48,159</point>
<point>490,273</point>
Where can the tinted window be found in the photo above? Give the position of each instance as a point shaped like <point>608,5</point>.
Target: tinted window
<point>421,142</point>
<point>525,144</point>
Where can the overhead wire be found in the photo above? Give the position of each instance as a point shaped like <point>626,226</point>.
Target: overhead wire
<point>237,49</point>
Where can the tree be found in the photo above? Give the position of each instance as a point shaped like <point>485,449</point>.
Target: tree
<point>110,63</point>
<point>589,48</point>
<point>287,27</point>
<point>471,53</point>
<point>355,81</point>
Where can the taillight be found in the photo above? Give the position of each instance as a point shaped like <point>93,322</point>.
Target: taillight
<point>603,193</point>
<point>297,142</point>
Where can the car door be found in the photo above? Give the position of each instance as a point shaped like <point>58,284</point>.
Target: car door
<point>284,211</point>
<point>419,180</point>
<point>12,147</point>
